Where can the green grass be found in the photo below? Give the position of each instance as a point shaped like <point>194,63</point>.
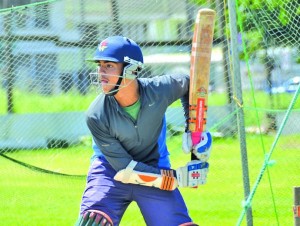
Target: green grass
<point>33,198</point>
<point>30,102</point>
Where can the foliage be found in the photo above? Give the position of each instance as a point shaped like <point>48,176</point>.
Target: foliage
<point>283,20</point>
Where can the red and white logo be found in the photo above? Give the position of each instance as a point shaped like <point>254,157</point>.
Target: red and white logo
<point>103,45</point>
<point>195,175</point>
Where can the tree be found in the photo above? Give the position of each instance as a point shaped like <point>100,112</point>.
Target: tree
<point>271,22</point>
<point>275,22</point>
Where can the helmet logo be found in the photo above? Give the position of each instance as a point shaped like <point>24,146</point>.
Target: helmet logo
<point>102,46</point>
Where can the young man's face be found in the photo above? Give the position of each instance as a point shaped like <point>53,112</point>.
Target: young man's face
<point>109,73</point>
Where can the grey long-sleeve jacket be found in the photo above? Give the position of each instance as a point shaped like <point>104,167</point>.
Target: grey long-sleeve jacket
<point>120,138</point>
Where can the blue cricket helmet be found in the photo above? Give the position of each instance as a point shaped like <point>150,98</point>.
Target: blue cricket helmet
<point>117,48</point>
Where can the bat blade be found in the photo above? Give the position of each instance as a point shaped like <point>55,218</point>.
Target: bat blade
<point>200,72</point>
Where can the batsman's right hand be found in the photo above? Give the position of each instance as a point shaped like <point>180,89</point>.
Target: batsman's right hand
<point>194,173</point>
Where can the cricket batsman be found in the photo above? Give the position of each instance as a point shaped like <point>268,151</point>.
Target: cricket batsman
<point>128,127</point>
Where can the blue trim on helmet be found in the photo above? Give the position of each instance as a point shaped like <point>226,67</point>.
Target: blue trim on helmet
<point>107,59</point>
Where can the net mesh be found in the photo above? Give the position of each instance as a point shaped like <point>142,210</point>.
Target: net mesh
<point>45,90</point>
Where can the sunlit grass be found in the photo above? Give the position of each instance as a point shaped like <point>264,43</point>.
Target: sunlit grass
<point>32,102</point>
<point>43,199</point>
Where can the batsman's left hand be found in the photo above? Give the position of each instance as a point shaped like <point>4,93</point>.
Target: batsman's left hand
<point>187,144</point>
<point>203,148</point>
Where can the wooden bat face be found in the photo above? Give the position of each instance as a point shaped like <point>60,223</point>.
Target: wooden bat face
<point>200,68</point>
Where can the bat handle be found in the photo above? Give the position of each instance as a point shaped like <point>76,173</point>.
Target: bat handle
<point>196,137</point>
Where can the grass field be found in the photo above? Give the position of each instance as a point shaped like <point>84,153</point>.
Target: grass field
<point>33,198</point>
<point>39,199</point>
<point>29,102</point>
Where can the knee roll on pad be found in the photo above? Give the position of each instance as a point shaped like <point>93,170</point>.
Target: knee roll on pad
<point>94,218</point>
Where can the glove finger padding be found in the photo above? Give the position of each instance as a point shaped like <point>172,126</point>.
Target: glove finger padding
<point>187,144</point>
<point>203,149</point>
<point>194,173</point>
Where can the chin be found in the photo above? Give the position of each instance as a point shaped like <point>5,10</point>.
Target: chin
<point>107,91</point>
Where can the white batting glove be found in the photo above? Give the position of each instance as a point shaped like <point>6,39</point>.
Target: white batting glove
<point>194,173</point>
<point>203,148</point>
<point>187,144</point>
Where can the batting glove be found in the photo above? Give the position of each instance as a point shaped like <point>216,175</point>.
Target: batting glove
<point>187,144</point>
<point>194,173</point>
<point>203,148</point>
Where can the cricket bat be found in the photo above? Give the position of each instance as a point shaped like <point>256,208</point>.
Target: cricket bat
<point>199,72</point>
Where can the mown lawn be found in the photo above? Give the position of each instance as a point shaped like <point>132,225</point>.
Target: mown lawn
<point>29,102</point>
<point>34,198</point>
